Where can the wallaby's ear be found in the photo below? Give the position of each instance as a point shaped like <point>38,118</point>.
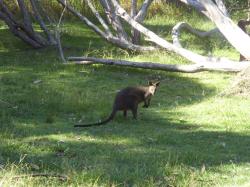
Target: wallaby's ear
<point>157,83</point>
<point>150,83</point>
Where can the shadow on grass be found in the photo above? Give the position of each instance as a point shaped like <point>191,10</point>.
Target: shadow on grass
<point>127,152</point>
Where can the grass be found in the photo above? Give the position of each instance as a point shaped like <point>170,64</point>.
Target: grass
<point>190,136</point>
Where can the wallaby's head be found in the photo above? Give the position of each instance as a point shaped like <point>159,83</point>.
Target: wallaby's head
<point>152,87</point>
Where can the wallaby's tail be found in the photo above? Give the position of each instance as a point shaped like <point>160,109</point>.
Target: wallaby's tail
<point>104,122</point>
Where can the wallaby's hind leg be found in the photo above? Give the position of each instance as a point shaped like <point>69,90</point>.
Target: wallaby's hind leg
<point>125,113</point>
<point>134,111</point>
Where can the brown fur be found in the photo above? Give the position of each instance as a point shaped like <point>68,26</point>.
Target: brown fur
<point>129,99</point>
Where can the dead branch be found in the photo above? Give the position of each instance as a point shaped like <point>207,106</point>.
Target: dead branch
<point>98,16</point>
<point>143,11</point>
<point>121,42</point>
<point>42,24</point>
<point>182,25</point>
<point>114,20</point>
<point>192,68</point>
<point>58,35</point>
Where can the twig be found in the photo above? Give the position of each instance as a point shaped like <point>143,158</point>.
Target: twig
<point>60,177</point>
<point>58,34</point>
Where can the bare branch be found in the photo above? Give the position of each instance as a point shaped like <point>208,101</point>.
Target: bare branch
<point>182,25</point>
<point>41,22</point>
<point>26,16</point>
<point>5,10</point>
<point>133,10</point>
<point>98,16</point>
<point>222,7</point>
<point>115,40</point>
<point>197,5</point>
<point>114,19</point>
<point>83,18</point>
<point>58,35</point>
<point>27,25</point>
<point>16,30</point>
<point>143,11</point>
<point>192,68</point>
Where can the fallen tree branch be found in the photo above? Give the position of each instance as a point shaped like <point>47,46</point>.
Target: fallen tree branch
<point>192,68</point>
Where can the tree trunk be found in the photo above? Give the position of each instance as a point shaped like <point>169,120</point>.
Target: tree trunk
<point>24,28</point>
<point>242,24</point>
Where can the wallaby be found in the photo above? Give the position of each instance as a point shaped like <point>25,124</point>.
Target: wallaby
<point>128,99</point>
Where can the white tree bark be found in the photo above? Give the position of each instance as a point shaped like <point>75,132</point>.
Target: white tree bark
<point>143,11</point>
<point>182,25</point>
<point>228,28</point>
<point>98,16</point>
<point>114,20</point>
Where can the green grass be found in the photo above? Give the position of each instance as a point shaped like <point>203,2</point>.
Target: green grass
<point>190,136</point>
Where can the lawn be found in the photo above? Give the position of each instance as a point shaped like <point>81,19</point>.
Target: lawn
<point>189,136</point>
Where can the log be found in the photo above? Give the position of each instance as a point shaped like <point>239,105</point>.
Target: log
<point>190,68</point>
